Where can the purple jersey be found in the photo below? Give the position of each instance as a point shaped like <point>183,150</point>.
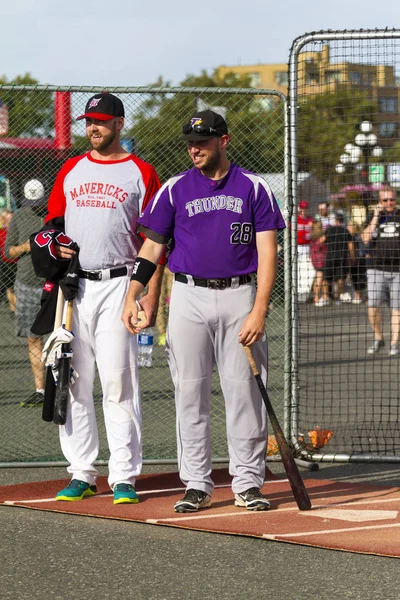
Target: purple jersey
<point>213,224</point>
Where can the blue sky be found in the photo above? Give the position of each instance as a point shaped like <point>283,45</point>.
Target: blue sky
<point>86,43</point>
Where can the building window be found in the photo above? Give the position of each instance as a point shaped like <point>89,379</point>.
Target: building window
<point>312,77</point>
<point>281,77</point>
<point>369,78</point>
<point>388,104</point>
<point>355,77</point>
<point>388,130</point>
<point>333,76</point>
<point>255,80</point>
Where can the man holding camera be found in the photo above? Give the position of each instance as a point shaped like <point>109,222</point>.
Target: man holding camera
<point>383,232</point>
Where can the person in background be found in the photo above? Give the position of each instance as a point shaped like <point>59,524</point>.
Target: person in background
<point>162,315</point>
<point>306,271</point>
<point>8,266</point>
<point>28,287</point>
<point>318,255</point>
<point>327,219</point>
<point>383,275</point>
<point>358,270</point>
<point>339,255</point>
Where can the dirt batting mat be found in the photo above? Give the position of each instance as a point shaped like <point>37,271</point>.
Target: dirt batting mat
<point>353,517</point>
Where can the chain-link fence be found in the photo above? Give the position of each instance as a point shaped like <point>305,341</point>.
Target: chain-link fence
<point>42,133</point>
<point>344,132</point>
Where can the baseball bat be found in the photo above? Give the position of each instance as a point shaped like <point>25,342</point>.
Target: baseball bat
<point>62,389</point>
<point>50,385</point>
<point>295,480</point>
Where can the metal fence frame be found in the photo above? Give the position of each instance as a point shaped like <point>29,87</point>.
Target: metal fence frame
<point>293,425</point>
<point>287,238</point>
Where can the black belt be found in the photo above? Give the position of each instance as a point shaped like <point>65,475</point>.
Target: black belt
<point>98,275</point>
<point>213,284</point>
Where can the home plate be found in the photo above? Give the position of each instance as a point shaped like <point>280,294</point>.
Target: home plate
<point>356,516</point>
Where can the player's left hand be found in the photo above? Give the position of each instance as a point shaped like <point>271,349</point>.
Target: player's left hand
<point>252,329</point>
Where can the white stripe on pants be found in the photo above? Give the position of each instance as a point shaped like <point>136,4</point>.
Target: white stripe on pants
<point>101,337</point>
<point>204,323</point>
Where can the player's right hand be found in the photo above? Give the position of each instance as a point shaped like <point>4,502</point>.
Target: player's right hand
<point>64,252</point>
<point>132,316</point>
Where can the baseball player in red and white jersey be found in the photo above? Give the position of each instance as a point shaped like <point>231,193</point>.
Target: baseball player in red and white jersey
<point>101,194</point>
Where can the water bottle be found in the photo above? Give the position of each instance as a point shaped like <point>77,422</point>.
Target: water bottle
<point>145,347</point>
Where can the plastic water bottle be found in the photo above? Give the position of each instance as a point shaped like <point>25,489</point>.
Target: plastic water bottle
<point>145,346</point>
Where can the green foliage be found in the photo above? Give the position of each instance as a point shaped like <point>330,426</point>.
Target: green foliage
<point>158,120</point>
<point>326,123</point>
<point>30,113</point>
<point>80,145</point>
<point>392,155</point>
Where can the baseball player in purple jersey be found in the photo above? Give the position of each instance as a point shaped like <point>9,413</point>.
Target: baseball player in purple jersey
<point>222,222</point>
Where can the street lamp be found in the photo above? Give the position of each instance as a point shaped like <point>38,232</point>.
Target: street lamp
<point>351,155</point>
<point>365,145</point>
<point>367,141</point>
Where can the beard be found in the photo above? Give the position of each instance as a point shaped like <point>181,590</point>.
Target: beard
<point>106,140</point>
<point>210,164</point>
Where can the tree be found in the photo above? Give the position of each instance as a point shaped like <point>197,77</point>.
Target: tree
<point>326,123</point>
<point>30,112</point>
<point>392,155</point>
<point>257,129</point>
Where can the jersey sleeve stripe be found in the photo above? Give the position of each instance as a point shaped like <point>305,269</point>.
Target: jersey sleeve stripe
<point>57,203</point>
<point>256,180</point>
<point>168,184</point>
<point>150,179</point>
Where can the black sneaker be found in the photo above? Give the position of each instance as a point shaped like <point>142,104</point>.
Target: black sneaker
<point>376,346</point>
<point>252,499</point>
<point>36,399</point>
<point>192,501</point>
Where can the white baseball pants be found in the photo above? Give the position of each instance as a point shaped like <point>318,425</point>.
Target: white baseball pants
<point>102,339</point>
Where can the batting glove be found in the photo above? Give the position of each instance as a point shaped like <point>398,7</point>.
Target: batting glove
<point>52,350</point>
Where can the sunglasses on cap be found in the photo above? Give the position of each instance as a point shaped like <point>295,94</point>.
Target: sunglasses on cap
<point>200,129</point>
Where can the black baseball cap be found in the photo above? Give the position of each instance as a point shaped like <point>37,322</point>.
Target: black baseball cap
<point>103,107</point>
<point>203,125</point>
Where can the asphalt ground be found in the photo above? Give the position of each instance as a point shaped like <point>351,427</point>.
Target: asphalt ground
<point>65,557</point>
<point>50,555</point>
<point>341,387</point>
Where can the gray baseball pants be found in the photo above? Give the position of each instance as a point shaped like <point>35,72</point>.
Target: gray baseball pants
<point>203,329</point>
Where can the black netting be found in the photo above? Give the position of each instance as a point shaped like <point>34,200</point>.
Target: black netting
<point>346,381</point>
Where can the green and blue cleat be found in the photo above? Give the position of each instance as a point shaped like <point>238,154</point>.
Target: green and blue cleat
<point>124,493</point>
<point>76,490</point>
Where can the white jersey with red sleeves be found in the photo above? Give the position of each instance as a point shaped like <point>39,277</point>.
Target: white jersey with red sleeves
<point>101,201</point>
<point>304,225</point>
